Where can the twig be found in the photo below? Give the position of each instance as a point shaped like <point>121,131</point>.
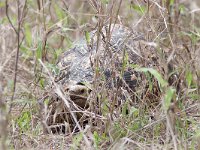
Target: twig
<point>17,31</point>
<point>7,15</point>
<point>60,94</point>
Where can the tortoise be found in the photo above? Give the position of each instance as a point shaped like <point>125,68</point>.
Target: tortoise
<point>105,51</point>
<point>75,65</point>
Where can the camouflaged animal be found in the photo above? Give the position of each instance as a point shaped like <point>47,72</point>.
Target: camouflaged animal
<point>77,64</point>
<point>108,51</point>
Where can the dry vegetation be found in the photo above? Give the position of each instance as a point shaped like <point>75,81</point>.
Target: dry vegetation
<point>34,33</point>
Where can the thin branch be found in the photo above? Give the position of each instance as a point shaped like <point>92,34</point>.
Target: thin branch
<point>17,55</point>
<point>17,31</point>
<point>7,15</point>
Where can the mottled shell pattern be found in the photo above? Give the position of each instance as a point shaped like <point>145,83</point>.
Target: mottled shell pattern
<point>75,64</point>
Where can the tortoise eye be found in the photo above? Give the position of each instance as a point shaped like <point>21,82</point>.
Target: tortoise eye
<point>80,83</point>
<point>82,91</point>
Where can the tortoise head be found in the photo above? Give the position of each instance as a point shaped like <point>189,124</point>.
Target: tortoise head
<point>78,93</point>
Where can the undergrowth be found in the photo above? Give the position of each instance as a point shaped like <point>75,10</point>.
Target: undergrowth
<point>40,31</point>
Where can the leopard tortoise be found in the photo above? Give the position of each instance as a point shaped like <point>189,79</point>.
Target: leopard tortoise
<point>109,51</point>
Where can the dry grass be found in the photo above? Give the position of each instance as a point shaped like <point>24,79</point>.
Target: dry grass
<point>41,30</point>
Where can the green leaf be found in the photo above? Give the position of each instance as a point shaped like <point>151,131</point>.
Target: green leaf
<point>134,111</point>
<point>54,68</point>
<point>59,12</point>
<point>195,36</point>
<point>28,34</point>
<point>87,36</point>
<point>135,126</point>
<point>150,81</point>
<point>171,2</point>
<point>2,4</point>
<point>189,78</point>
<point>39,51</point>
<point>124,109</point>
<point>10,84</point>
<point>76,140</point>
<point>24,121</point>
<point>42,82</point>
<point>139,9</point>
<point>156,74</point>
<point>197,133</point>
<point>25,51</point>
<point>46,102</point>
<point>168,97</point>
<point>182,8</point>
<point>125,62</point>
<point>105,1</point>
<point>96,139</point>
